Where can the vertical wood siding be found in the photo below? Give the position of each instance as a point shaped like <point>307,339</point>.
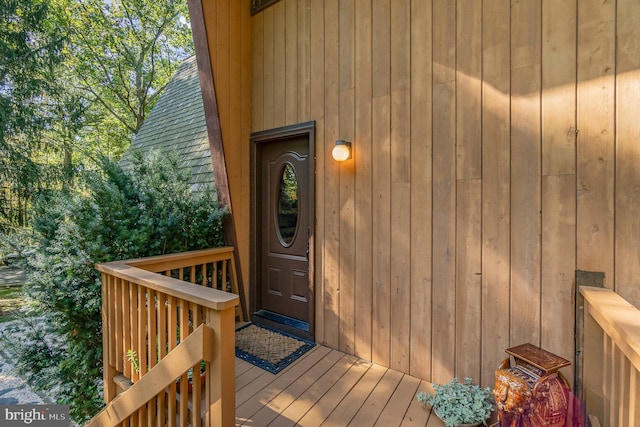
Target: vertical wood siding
<point>496,147</point>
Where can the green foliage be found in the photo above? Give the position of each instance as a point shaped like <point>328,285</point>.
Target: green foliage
<point>30,54</point>
<point>77,80</point>
<point>124,53</point>
<point>459,403</point>
<point>17,241</point>
<point>132,357</point>
<point>147,210</point>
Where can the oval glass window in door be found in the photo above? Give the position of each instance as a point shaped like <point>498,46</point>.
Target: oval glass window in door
<point>287,213</point>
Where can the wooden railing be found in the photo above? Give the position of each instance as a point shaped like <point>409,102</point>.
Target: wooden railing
<point>611,372</point>
<point>214,268</point>
<point>163,372</point>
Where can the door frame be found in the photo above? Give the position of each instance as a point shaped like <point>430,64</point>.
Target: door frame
<point>258,139</point>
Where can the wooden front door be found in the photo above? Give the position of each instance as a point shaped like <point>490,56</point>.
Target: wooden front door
<point>283,223</point>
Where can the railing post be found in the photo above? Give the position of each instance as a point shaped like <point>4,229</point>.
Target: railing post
<point>593,368</point>
<point>582,278</point>
<point>221,387</point>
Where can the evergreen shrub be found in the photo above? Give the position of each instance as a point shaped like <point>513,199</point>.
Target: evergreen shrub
<point>144,210</point>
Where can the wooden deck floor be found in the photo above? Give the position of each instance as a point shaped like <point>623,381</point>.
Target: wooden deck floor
<point>329,388</point>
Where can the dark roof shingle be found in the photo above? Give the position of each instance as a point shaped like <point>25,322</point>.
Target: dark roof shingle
<point>177,124</point>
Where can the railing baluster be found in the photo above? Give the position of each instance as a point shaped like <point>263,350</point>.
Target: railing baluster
<point>152,337</point>
<point>623,387</point>
<point>141,347</point>
<point>634,396</point>
<point>215,284</point>
<point>162,325</point>
<point>196,395</point>
<point>142,419</point>
<point>610,389</point>
<point>133,344</point>
<point>224,276</point>
<point>208,375</point>
<point>184,380</point>
<point>162,352</point>
<point>126,311</point>
<point>117,299</point>
<point>233,276</point>
<point>152,348</point>
<point>172,320</point>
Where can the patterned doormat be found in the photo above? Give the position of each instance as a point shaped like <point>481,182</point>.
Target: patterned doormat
<point>269,349</point>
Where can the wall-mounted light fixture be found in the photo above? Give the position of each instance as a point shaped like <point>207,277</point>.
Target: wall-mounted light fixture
<point>342,151</point>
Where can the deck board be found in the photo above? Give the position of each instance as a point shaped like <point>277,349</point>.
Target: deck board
<point>351,404</point>
<point>377,400</point>
<point>334,395</point>
<point>313,394</point>
<point>416,415</point>
<point>276,397</point>
<point>396,407</point>
<point>326,387</point>
<point>292,391</point>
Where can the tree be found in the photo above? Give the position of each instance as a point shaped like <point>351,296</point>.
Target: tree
<point>30,56</point>
<point>78,80</point>
<point>123,54</point>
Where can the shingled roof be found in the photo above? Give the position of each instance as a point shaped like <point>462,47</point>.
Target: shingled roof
<point>177,124</point>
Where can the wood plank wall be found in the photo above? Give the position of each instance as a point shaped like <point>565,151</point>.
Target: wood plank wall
<point>496,150</point>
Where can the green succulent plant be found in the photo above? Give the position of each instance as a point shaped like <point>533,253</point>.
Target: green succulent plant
<point>459,403</point>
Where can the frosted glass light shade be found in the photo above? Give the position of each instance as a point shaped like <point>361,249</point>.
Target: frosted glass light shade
<point>342,151</point>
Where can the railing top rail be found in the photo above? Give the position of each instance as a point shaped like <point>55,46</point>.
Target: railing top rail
<point>618,318</point>
<point>201,295</point>
<point>186,257</point>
